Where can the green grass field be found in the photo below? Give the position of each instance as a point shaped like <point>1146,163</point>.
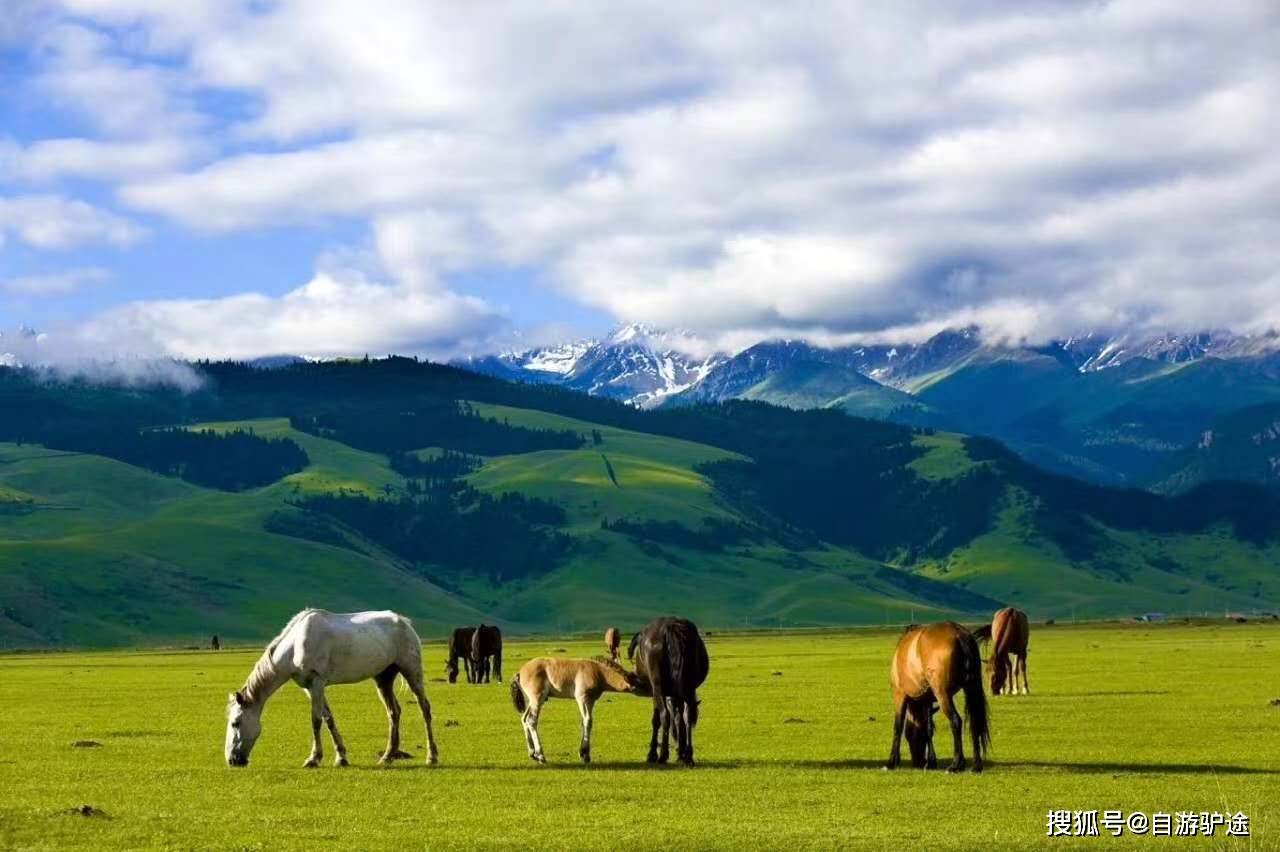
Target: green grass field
<point>794,730</point>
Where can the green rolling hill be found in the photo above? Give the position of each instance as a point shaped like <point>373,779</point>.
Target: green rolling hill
<point>737,515</point>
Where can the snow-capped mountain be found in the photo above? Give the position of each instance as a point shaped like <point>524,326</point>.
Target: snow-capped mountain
<point>636,364</point>
<point>648,367</point>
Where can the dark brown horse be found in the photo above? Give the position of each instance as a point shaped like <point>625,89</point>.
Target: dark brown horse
<point>612,638</point>
<point>1009,633</point>
<point>459,648</point>
<point>671,657</point>
<point>933,663</point>
<point>486,646</point>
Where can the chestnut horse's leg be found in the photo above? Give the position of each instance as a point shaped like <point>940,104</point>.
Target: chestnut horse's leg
<point>1026,687</point>
<point>948,708</point>
<point>899,719</point>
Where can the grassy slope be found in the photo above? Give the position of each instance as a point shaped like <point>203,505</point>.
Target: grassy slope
<point>792,734</point>
<point>613,577</point>
<point>112,554</point>
<point>118,555</point>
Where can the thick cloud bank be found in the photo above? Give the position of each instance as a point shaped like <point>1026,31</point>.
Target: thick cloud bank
<point>829,171</point>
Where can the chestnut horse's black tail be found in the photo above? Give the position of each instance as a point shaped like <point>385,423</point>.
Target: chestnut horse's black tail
<point>975,697</point>
<point>517,694</point>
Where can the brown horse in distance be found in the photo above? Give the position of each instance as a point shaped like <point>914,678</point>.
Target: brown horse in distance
<point>932,663</point>
<point>1009,633</point>
<point>612,638</point>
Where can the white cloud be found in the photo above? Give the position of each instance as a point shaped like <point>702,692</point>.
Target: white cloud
<point>831,172</point>
<point>52,159</point>
<point>55,222</point>
<point>338,312</point>
<point>54,283</point>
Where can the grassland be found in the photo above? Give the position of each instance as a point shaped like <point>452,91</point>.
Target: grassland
<point>103,553</point>
<point>794,729</point>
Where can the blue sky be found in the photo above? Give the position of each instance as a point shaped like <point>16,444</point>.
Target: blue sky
<point>230,179</point>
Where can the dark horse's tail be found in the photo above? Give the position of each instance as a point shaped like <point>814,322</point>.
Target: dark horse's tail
<point>631,649</point>
<point>983,633</point>
<point>975,697</point>
<point>517,694</point>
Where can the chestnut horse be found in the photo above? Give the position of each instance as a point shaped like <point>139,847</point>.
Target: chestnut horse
<point>612,638</point>
<point>671,656</point>
<point>1009,632</point>
<point>932,663</point>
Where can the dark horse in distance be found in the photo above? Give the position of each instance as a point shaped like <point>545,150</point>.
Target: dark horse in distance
<point>486,646</point>
<point>670,655</point>
<point>459,647</point>
<point>932,663</point>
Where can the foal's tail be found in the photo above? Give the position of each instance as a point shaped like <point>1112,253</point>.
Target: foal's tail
<point>517,694</point>
<point>975,697</point>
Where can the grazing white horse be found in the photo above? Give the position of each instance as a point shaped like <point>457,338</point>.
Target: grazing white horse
<point>318,648</point>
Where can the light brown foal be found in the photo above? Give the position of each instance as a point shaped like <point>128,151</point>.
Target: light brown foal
<point>582,680</point>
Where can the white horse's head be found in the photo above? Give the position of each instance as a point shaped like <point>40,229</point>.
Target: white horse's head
<point>244,724</point>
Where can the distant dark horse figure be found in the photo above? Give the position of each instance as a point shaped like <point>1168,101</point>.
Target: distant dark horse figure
<point>612,638</point>
<point>215,643</point>
<point>486,645</point>
<point>459,647</point>
<point>671,656</point>
<point>933,663</point>
<point>1009,633</point>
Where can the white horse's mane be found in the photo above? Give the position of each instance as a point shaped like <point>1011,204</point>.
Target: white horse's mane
<point>264,670</point>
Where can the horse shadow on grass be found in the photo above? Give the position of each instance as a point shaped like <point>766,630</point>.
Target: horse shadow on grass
<point>1117,768</point>
<point>877,764</point>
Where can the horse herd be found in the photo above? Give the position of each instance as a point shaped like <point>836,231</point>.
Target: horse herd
<point>931,665</point>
